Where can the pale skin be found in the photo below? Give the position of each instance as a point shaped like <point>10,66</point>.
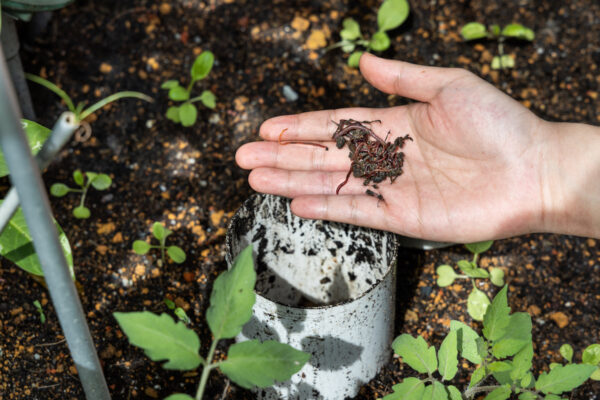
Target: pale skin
<point>481,165</point>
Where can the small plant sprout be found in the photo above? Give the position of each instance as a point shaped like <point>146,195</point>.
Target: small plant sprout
<point>178,311</point>
<point>40,311</point>
<point>84,181</point>
<point>391,15</point>
<point>475,31</point>
<point>175,253</point>
<point>186,113</point>
<point>478,301</point>
<point>248,364</point>
<point>502,357</point>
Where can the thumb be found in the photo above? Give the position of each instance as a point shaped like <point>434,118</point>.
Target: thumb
<point>414,81</point>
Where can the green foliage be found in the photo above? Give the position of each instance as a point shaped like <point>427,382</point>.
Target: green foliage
<point>175,253</point>
<point>178,311</point>
<point>248,364</point>
<point>504,353</point>
<point>478,301</point>
<point>84,181</point>
<point>36,136</point>
<point>391,15</point>
<point>186,113</point>
<point>40,311</point>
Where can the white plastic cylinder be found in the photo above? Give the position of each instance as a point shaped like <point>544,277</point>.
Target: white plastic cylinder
<point>325,288</point>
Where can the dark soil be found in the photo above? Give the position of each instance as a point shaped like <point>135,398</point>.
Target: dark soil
<point>187,178</point>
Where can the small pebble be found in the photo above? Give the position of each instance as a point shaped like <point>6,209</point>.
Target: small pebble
<point>214,118</point>
<point>289,93</point>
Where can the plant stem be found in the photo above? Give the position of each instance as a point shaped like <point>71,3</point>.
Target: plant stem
<point>113,97</point>
<point>162,250</point>
<point>84,191</point>
<point>206,369</point>
<point>479,389</point>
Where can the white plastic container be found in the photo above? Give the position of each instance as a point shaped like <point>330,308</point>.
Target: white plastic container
<point>322,287</point>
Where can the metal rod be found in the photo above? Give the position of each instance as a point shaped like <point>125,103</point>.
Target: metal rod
<point>25,176</point>
<point>62,132</point>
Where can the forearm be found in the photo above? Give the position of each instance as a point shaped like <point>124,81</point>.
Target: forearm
<point>570,179</point>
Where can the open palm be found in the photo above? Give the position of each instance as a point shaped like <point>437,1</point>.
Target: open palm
<point>471,173</point>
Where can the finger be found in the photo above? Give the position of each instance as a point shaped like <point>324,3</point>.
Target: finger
<point>299,157</point>
<point>414,81</point>
<point>315,125</point>
<point>302,183</point>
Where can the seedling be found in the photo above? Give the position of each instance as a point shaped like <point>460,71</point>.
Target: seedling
<point>250,363</point>
<point>178,311</point>
<point>590,356</point>
<point>475,31</point>
<point>391,15</point>
<point>84,181</point>
<point>503,358</point>
<point>175,253</point>
<point>186,113</point>
<point>478,301</point>
<point>40,311</point>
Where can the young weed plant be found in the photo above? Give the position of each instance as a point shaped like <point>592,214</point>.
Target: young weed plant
<point>391,15</point>
<point>40,310</point>
<point>178,311</point>
<point>503,356</point>
<point>84,181</point>
<point>175,253</point>
<point>186,113</point>
<point>477,301</point>
<point>590,356</point>
<point>475,31</point>
<point>248,364</point>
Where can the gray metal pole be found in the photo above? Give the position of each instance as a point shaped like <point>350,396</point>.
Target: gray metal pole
<point>25,176</point>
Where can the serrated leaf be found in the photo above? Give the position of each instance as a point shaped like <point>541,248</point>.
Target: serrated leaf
<point>473,31</point>
<point>179,396</point>
<point>101,182</point>
<point>448,357</point>
<point>232,297</point>
<point>503,376</point>
<point>161,338</point>
<point>208,99</point>
<point>479,247</point>
<point>380,41</point>
<point>527,396</point>
<point>416,353</point>
<point>178,93</point>
<point>169,84</point>
<point>351,29</point>
<point>501,393</point>
<point>78,177</point>
<point>453,393</point>
<point>158,230</point>
<point>188,114</point>
<point>499,366</point>
<point>477,304</point>
<point>518,31</point>
<point>173,114</point>
<point>497,276</point>
<point>141,247</point>
<point>566,350</point>
<point>176,254</point>
<point>466,341</point>
<point>518,335</point>
<point>522,363</point>
<point>408,389</point>
<point>81,212</point>
<point>354,59</point>
<point>496,318</point>
<point>563,378</point>
<point>436,391</point>
<point>392,14</point>
<point>202,65</point>
<point>528,381</point>
<point>36,136</point>
<point>446,275</point>
<point>477,376</point>
<point>252,363</point>
<point>591,354</point>
<point>59,190</point>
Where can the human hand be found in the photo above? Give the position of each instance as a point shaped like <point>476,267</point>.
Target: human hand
<point>473,172</point>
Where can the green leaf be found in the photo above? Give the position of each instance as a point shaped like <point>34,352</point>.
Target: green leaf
<point>91,176</point>
<point>81,212</point>
<point>479,247</point>
<point>446,275</point>
<point>78,177</point>
<point>232,298</point>
<point>595,375</point>
<point>503,373</point>
<point>202,65</point>
<point>36,136</point>
<point>180,313</point>
<point>141,247</point>
<point>101,182</point>
<point>527,396</point>
<point>169,303</point>
<point>497,276</point>
<point>169,84</point>
<point>501,393</point>
<point>208,99</point>
<point>179,396</point>
<point>528,381</point>
<point>173,114</point>
<point>497,317</point>
<point>522,363</point>
<point>59,190</point>
<point>416,353</point>
<point>518,335</point>
<point>348,47</point>
<point>499,366</point>
<point>466,341</point>
<point>502,62</point>
<point>495,30</point>
<point>354,59</point>
<point>518,31</point>
<point>453,393</point>
<point>188,114</point>
<point>436,391</point>
<point>392,14</point>
<point>380,41</point>
<point>477,376</point>
<point>477,304</point>
<point>176,254</point>
<point>252,363</point>
<point>351,29</point>
<point>448,357</point>
<point>408,389</point>
<point>161,338</point>
<point>471,270</point>
<point>473,31</point>
<point>178,93</point>
<point>591,355</point>
<point>554,365</point>
<point>553,397</point>
<point>564,378</point>
<point>566,350</point>
<point>158,230</point>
